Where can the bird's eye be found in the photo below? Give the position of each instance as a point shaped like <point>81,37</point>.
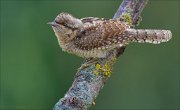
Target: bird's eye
<point>64,24</point>
<point>61,23</point>
<point>57,22</point>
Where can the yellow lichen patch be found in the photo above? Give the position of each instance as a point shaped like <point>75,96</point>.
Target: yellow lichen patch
<point>127,18</point>
<point>98,66</point>
<point>106,69</point>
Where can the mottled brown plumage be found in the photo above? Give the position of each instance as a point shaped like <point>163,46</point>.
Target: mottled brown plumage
<point>95,37</point>
<point>100,34</point>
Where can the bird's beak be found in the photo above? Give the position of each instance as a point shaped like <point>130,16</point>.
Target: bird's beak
<point>53,24</point>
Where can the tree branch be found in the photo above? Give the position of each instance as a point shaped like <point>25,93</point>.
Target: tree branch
<point>130,10</point>
<point>93,73</point>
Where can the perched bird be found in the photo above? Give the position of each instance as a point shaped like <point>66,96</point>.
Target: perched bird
<point>94,37</point>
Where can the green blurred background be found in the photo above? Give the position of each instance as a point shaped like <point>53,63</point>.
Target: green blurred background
<point>35,73</point>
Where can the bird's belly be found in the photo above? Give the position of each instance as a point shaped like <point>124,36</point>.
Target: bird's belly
<point>94,53</point>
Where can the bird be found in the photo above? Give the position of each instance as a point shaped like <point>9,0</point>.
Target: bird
<point>93,37</point>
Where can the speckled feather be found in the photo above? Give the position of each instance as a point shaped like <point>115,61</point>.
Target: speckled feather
<point>95,37</point>
<point>100,34</point>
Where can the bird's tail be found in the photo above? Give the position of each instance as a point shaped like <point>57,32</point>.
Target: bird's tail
<point>149,36</point>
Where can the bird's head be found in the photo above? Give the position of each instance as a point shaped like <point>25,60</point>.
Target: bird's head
<point>66,26</point>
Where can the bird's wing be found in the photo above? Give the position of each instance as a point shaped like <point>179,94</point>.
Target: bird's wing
<point>100,34</point>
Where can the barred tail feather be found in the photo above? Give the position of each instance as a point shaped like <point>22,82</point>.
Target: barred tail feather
<point>149,36</point>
